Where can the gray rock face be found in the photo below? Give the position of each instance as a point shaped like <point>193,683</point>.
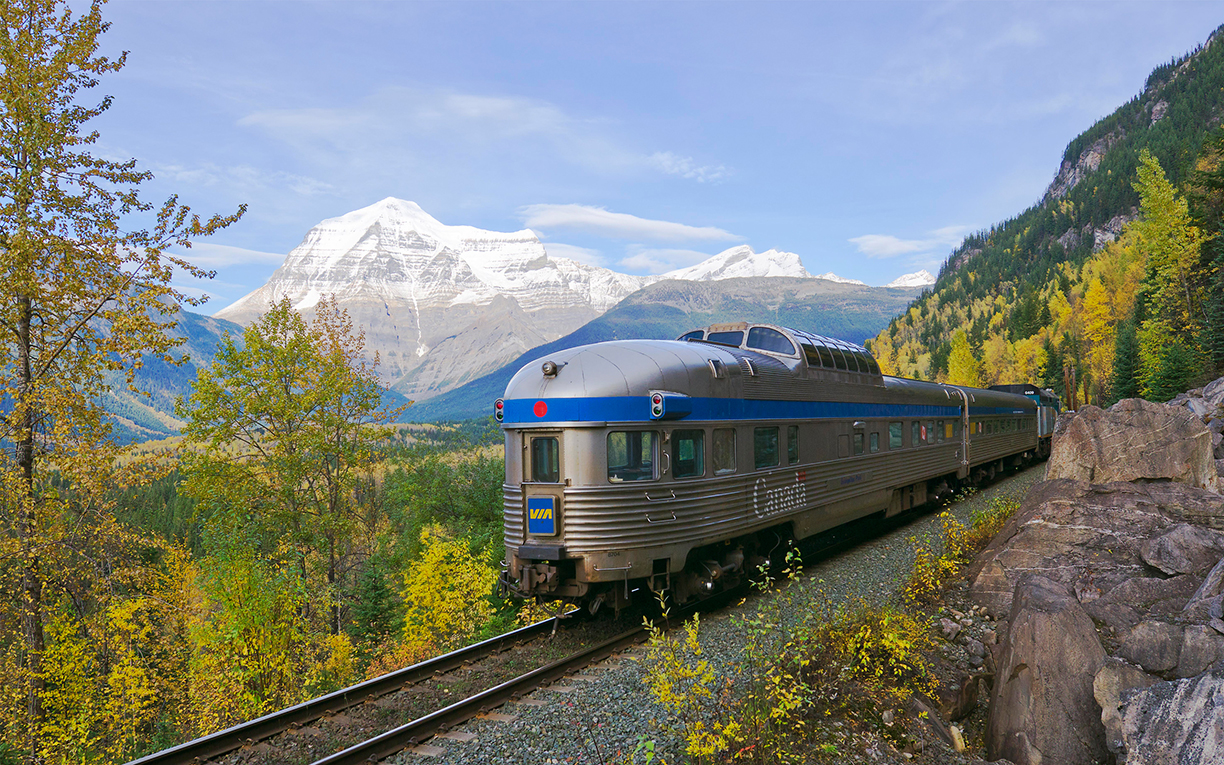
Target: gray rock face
<point>1155,646</point>
<point>1111,682</point>
<point>1175,723</point>
<point>1042,705</point>
<point>1133,440</point>
<point>1090,538</point>
<point>1184,550</point>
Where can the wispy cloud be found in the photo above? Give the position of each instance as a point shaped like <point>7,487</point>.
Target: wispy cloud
<point>889,246</point>
<point>210,255</point>
<point>654,260</point>
<point>574,252</point>
<point>243,178</point>
<point>603,222</point>
<point>685,167</point>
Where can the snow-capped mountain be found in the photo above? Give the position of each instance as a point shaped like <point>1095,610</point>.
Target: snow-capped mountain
<point>917,279</point>
<point>832,277</point>
<point>445,304</point>
<point>740,262</point>
<point>411,282</point>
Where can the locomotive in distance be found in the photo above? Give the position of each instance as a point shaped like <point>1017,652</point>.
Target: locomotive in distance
<point>679,465</point>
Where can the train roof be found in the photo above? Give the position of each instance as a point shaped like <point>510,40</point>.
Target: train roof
<point>712,366</point>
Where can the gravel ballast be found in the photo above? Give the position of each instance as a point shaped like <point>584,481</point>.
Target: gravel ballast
<point>602,719</point>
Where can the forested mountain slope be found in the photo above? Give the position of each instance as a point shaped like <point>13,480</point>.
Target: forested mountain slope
<point>1019,301</point>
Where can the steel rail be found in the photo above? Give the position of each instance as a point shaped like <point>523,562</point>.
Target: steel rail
<point>202,749</point>
<point>422,728</point>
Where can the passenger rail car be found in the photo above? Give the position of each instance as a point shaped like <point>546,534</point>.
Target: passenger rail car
<point>678,465</point>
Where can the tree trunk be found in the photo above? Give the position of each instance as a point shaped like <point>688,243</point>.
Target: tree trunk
<point>31,581</point>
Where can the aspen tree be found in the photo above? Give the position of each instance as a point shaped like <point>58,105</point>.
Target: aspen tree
<point>80,294</point>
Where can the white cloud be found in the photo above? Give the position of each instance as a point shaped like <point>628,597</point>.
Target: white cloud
<point>597,220</point>
<point>574,252</point>
<point>889,246</point>
<point>659,260</point>
<point>211,255</point>
<point>242,178</point>
<point>685,167</point>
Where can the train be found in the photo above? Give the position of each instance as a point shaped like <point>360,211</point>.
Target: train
<point>680,466</point>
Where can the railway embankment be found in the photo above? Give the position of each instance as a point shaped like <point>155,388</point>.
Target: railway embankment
<point>1106,588</point>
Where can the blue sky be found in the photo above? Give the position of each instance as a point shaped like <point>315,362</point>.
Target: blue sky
<point>867,137</point>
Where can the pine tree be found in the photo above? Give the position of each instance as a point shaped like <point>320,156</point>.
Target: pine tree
<point>1125,383</point>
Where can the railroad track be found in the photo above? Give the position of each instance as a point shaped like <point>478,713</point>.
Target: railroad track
<point>225,741</point>
<point>386,744</point>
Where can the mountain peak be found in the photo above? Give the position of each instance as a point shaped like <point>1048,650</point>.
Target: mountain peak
<point>921,278</point>
<point>832,277</point>
<point>741,261</point>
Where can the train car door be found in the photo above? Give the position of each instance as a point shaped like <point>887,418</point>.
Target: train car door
<point>543,485</point>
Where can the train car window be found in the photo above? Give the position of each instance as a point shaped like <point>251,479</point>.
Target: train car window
<point>688,453</point>
<point>894,435</point>
<point>809,352</point>
<point>792,444</point>
<point>733,339</point>
<point>858,444</point>
<point>875,368</point>
<point>724,451</point>
<point>765,447</point>
<point>766,339</point>
<point>939,432</point>
<point>873,442</point>
<point>631,455</point>
<point>838,360</point>
<point>956,428</point>
<point>826,357</point>
<point>915,434</point>
<point>545,466</point>
<point>696,334</point>
<point>930,432</point>
<point>863,364</point>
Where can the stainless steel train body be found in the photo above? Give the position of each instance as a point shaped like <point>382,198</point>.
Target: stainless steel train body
<point>679,464</point>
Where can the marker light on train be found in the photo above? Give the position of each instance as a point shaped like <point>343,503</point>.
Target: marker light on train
<point>656,405</point>
<point>499,410</point>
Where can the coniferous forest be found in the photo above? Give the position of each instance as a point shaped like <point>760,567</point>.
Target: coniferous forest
<point>1113,284</point>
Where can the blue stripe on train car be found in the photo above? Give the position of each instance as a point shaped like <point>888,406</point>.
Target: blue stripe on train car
<point>522,412</point>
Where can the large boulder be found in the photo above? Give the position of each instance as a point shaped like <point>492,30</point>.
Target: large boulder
<point>1042,704</point>
<point>1092,538</point>
<point>1186,549</point>
<point>1175,723</point>
<point>1133,440</point>
<point>1112,681</point>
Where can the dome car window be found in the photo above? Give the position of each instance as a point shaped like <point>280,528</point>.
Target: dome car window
<point>838,359</point>
<point>688,453</point>
<point>770,340</point>
<point>810,352</point>
<point>826,357</point>
<point>733,339</point>
<point>696,334</point>
<point>631,455</point>
<point>545,466</point>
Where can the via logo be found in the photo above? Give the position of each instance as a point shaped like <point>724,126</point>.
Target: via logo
<point>541,516</point>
